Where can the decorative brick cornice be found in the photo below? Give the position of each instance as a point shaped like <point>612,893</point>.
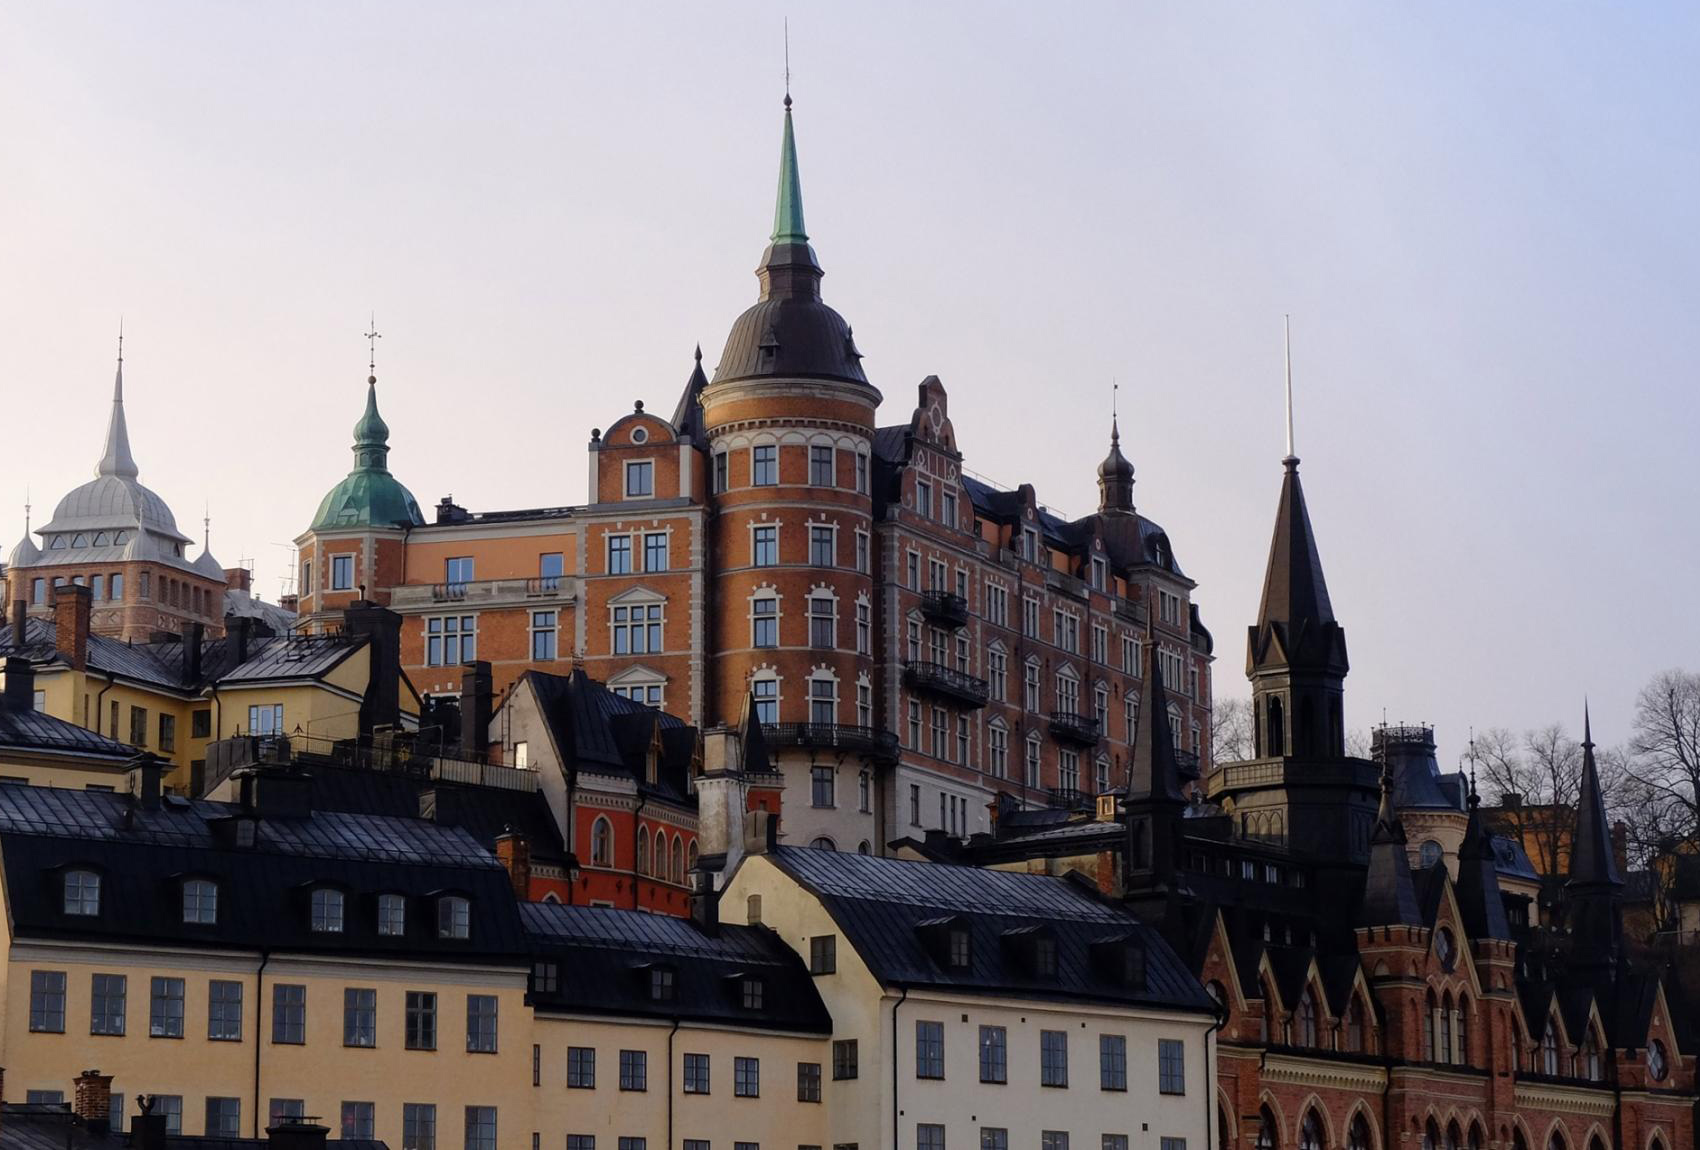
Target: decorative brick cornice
<point>1324,1072</point>
<point>1595,1102</point>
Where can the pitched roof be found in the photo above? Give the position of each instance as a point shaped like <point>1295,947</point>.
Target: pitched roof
<point>1295,610</point>
<point>33,730</point>
<point>880,902</point>
<point>1390,896</point>
<point>599,731</point>
<point>605,956</point>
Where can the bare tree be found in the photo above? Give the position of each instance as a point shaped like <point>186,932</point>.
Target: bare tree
<point>1666,751</point>
<point>1359,745</point>
<point>1230,730</point>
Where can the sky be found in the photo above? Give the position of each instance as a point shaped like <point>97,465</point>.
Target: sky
<point>1481,218</point>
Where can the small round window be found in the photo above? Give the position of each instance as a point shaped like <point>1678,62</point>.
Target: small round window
<point>639,435</point>
<point>1430,853</point>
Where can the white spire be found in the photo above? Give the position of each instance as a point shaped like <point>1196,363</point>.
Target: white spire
<point>117,460</point>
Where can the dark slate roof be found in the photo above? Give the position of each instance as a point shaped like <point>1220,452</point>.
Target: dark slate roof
<point>1479,899</point>
<point>1295,611</point>
<point>879,903</point>
<point>26,1126</point>
<point>687,416</point>
<point>144,856</point>
<point>37,731</point>
<point>597,730</point>
<point>1511,859</point>
<point>605,956</point>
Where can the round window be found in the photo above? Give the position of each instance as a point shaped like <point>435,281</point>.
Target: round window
<point>639,435</point>
<point>1430,853</point>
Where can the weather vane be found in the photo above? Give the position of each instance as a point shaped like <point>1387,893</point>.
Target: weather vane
<point>372,338</point>
<point>787,61</point>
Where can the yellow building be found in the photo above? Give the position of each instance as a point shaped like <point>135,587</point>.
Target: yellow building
<point>177,696</point>
<point>40,750</point>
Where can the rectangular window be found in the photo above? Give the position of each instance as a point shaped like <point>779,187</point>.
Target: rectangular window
<point>480,1128</point>
<point>1112,1062</point>
<point>640,478</point>
<point>722,472</point>
<point>359,1016</point>
<point>994,1054</point>
<point>864,628</point>
<point>766,694</point>
<point>285,1109</point>
<point>994,1138</point>
<point>746,1077</point>
<point>342,572</point>
<point>929,1136</point>
<point>696,1074</point>
<point>823,546</point>
<point>764,622</point>
<point>823,701</point>
<point>139,726</point>
<point>1166,1144</point>
<point>1030,618</point>
<point>418,1126</point>
<point>289,1014</point>
<point>844,1058</point>
<point>636,628</point>
<point>923,499</point>
<point>912,573</point>
<point>265,719</point>
<point>165,1008</point>
<point>581,1142</point>
<point>450,641</point>
<point>1053,1058</point>
<point>821,467</point>
<point>107,1006</point>
<point>1100,643</point>
<point>224,1117</point>
<point>655,551</point>
<point>821,786</point>
<point>481,1024</point>
<point>634,1070</point>
<point>862,472</point>
<point>168,733</point>
<point>550,568</point>
<point>696,1144</point>
<point>764,465</point>
<point>997,752</point>
<point>224,1010</point>
<point>915,788</point>
<point>764,546</point>
<point>581,1067</point>
<point>1171,1066</point>
<point>1114,1142</point>
<point>632,1144</point>
<point>457,572</point>
<point>823,954</point>
<point>420,1032</point>
<point>47,1001</point>
<point>823,622</point>
<point>619,554</point>
<point>862,560</point>
<point>200,723</point>
<point>543,636</point>
<point>808,1082</point>
<point>929,1049</point>
<point>1053,1140</point>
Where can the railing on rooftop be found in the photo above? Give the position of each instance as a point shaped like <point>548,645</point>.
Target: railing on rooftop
<point>872,741</point>
<point>393,756</point>
<point>1069,799</point>
<point>1067,584</point>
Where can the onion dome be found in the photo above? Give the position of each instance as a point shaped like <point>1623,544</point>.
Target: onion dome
<point>25,553</point>
<point>369,496</point>
<point>789,332</point>
<point>1115,476</point>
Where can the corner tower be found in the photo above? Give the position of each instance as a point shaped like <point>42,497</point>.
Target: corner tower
<point>788,419</point>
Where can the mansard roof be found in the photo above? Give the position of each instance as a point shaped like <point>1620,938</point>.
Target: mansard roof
<point>598,731</point>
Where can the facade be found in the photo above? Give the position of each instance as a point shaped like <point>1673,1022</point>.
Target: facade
<point>119,540</point>
<point>915,640</point>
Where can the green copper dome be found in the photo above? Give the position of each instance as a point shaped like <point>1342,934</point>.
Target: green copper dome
<point>370,496</point>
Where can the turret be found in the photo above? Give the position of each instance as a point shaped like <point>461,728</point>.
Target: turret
<point>1594,888</point>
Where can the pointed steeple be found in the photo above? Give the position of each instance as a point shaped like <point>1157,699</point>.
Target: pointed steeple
<point>1154,773</point>
<point>1390,895</point>
<point>1479,897</point>
<point>116,459</point>
<point>1295,593</point>
<point>1594,887</point>
<point>789,270</point>
<point>687,416</point>
<point>370,496</point>
<point>788,209</point>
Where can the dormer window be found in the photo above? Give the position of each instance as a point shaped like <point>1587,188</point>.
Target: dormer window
<point>1045,956</point>
<point>454,917</point>
<point>1035,948</point>
<point>751,992</point>
<point>640,479</point>
<point>392,915</point>
<point>326,911</point>
<point>961,956</point>
<point>200,902</point>
<point>1120,961</point>
<point>82,892</point>
<point>662,986</point>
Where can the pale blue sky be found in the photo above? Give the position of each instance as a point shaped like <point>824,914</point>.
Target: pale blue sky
<point>1482,218</point>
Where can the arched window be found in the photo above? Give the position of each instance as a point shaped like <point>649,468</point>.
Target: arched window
<point>691,856</point>
<point>601,843</point>
<point>1518,1142</point>
<point>1355,1025</point>
<point>1445,948</point>
<point>661,862</point>
<point>1271,1033</point>
<point>1224,1141</point>
<point>1305,1020</point>
<point>1268,1136</point>
<point>1310,1131</point>
<point>1556,1142</point>
<point>642,850</point>
<point>1590,1059</point>
<point>1277,737</point>
<point>678,860</point>
<point>821,842</point>
<point>1432,1009</point>
<point>1453,1136</point>
<point>1475,1142</point>
<point>1357,1133</point>
<point>1549,1049</point>
<point>1431,1136</point>
<point>1444,1052</point>
<point>1657,1065</point>
<point>864,847</point>
<point>1461,1031</point>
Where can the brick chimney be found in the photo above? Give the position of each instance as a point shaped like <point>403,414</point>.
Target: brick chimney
<point>513,851</point>
<point>71,623</point>
<point>477,696</point>
<point>238,578</point>
<point>93,1100</point>
<point>20,684</point>
<point>20,612</point>
<point>295,1134</point>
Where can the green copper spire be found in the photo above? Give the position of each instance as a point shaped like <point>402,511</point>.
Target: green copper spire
<point>788,211</point>
<point>371,434</point>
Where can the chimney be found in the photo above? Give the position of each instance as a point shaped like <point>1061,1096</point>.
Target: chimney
<point>476,695</point>
<point>513,851</point>
<point>239,629</point>
<point>20,684</point>
<point>93,1104</point>
<point>761,832</point>
<point>289,603</point>
<point>705,904</point>
<point>147,1129</point>
<point>192,652</point>
<point>146,771</point>
<point>20,612</point>
<point>296,1134</point>
<point>381,706</point>
<point>71,623</point>
<point>238,578</point>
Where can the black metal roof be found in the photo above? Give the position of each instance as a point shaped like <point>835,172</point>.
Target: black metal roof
<point>599,731</point>
<point>46,1126</point>
<point>36,731</point>
<point>605,956</point>
<point>145,855</point>
<point>880,902</point>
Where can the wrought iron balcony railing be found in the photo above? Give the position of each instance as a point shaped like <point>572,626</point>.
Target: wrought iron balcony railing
<point>938,679</point>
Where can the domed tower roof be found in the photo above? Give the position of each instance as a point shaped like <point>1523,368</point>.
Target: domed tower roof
<point>25,554</point>
<point>369,496</point>
<point>789,332</point>
<point>1115,476</point>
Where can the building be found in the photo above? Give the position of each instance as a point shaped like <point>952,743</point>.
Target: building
<point>120,540</point>
<point>177,696</point>
<point>1378,988</point>
<point>40,750</point>
<point>915,639</point>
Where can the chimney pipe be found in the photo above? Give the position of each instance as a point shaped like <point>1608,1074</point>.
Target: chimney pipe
<point>71,623</point>
<point>296,1134</point>
<point>705,904</point>
<point>476,704</point>
<point>147,1129</point>
<point>20,684</point>
<point>20,613</point>
<point>513,851</point>
<point>146,771</point>
<point>192,652</point>
<point>239,629</point>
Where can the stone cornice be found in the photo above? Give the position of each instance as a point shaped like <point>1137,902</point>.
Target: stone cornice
<point>1324,1072</point>
<point>1598,1102</point>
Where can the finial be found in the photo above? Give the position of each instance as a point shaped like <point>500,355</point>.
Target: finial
<point>26,510</point>
<point>1587,727</point>
<point>120,339</point>
<point>206,527</point>
<point>372,338</point>
<point>787,63</point>
<point>1292,460</point>
<point>699,353</point>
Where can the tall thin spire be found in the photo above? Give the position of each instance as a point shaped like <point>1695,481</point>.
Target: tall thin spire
<point>1291,460</point>
<point>788,208</point>
<point>116,458</point>
<point>1594,888</point>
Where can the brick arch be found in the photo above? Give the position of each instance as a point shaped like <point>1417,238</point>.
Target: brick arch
<point>1314,1102</point>
<point>1557,1124</point>
<point>1361,1107</point>
<point>1518,1126</point>
<point>1267,1098</point>
<point>1657,1139</point>
<point>1595,1130</point>
<point>1225,1110</point>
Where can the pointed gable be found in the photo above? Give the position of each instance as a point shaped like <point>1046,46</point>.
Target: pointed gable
<point>1390,894</point>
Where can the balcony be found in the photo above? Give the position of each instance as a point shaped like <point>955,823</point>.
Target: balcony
<point>1129,610</point>
<point>945,609</point>
<point>481,593</point>
<point>948,682</point>
<point>1068,799</point>
<point>1063,582</point>
<point>1081,730</point>
<point>881,746</point>
<point>1187,763</point>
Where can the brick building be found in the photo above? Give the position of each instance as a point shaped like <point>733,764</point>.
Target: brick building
<point>915,640</point>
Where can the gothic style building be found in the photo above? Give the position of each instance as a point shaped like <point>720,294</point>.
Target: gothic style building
<point>915,640</point>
